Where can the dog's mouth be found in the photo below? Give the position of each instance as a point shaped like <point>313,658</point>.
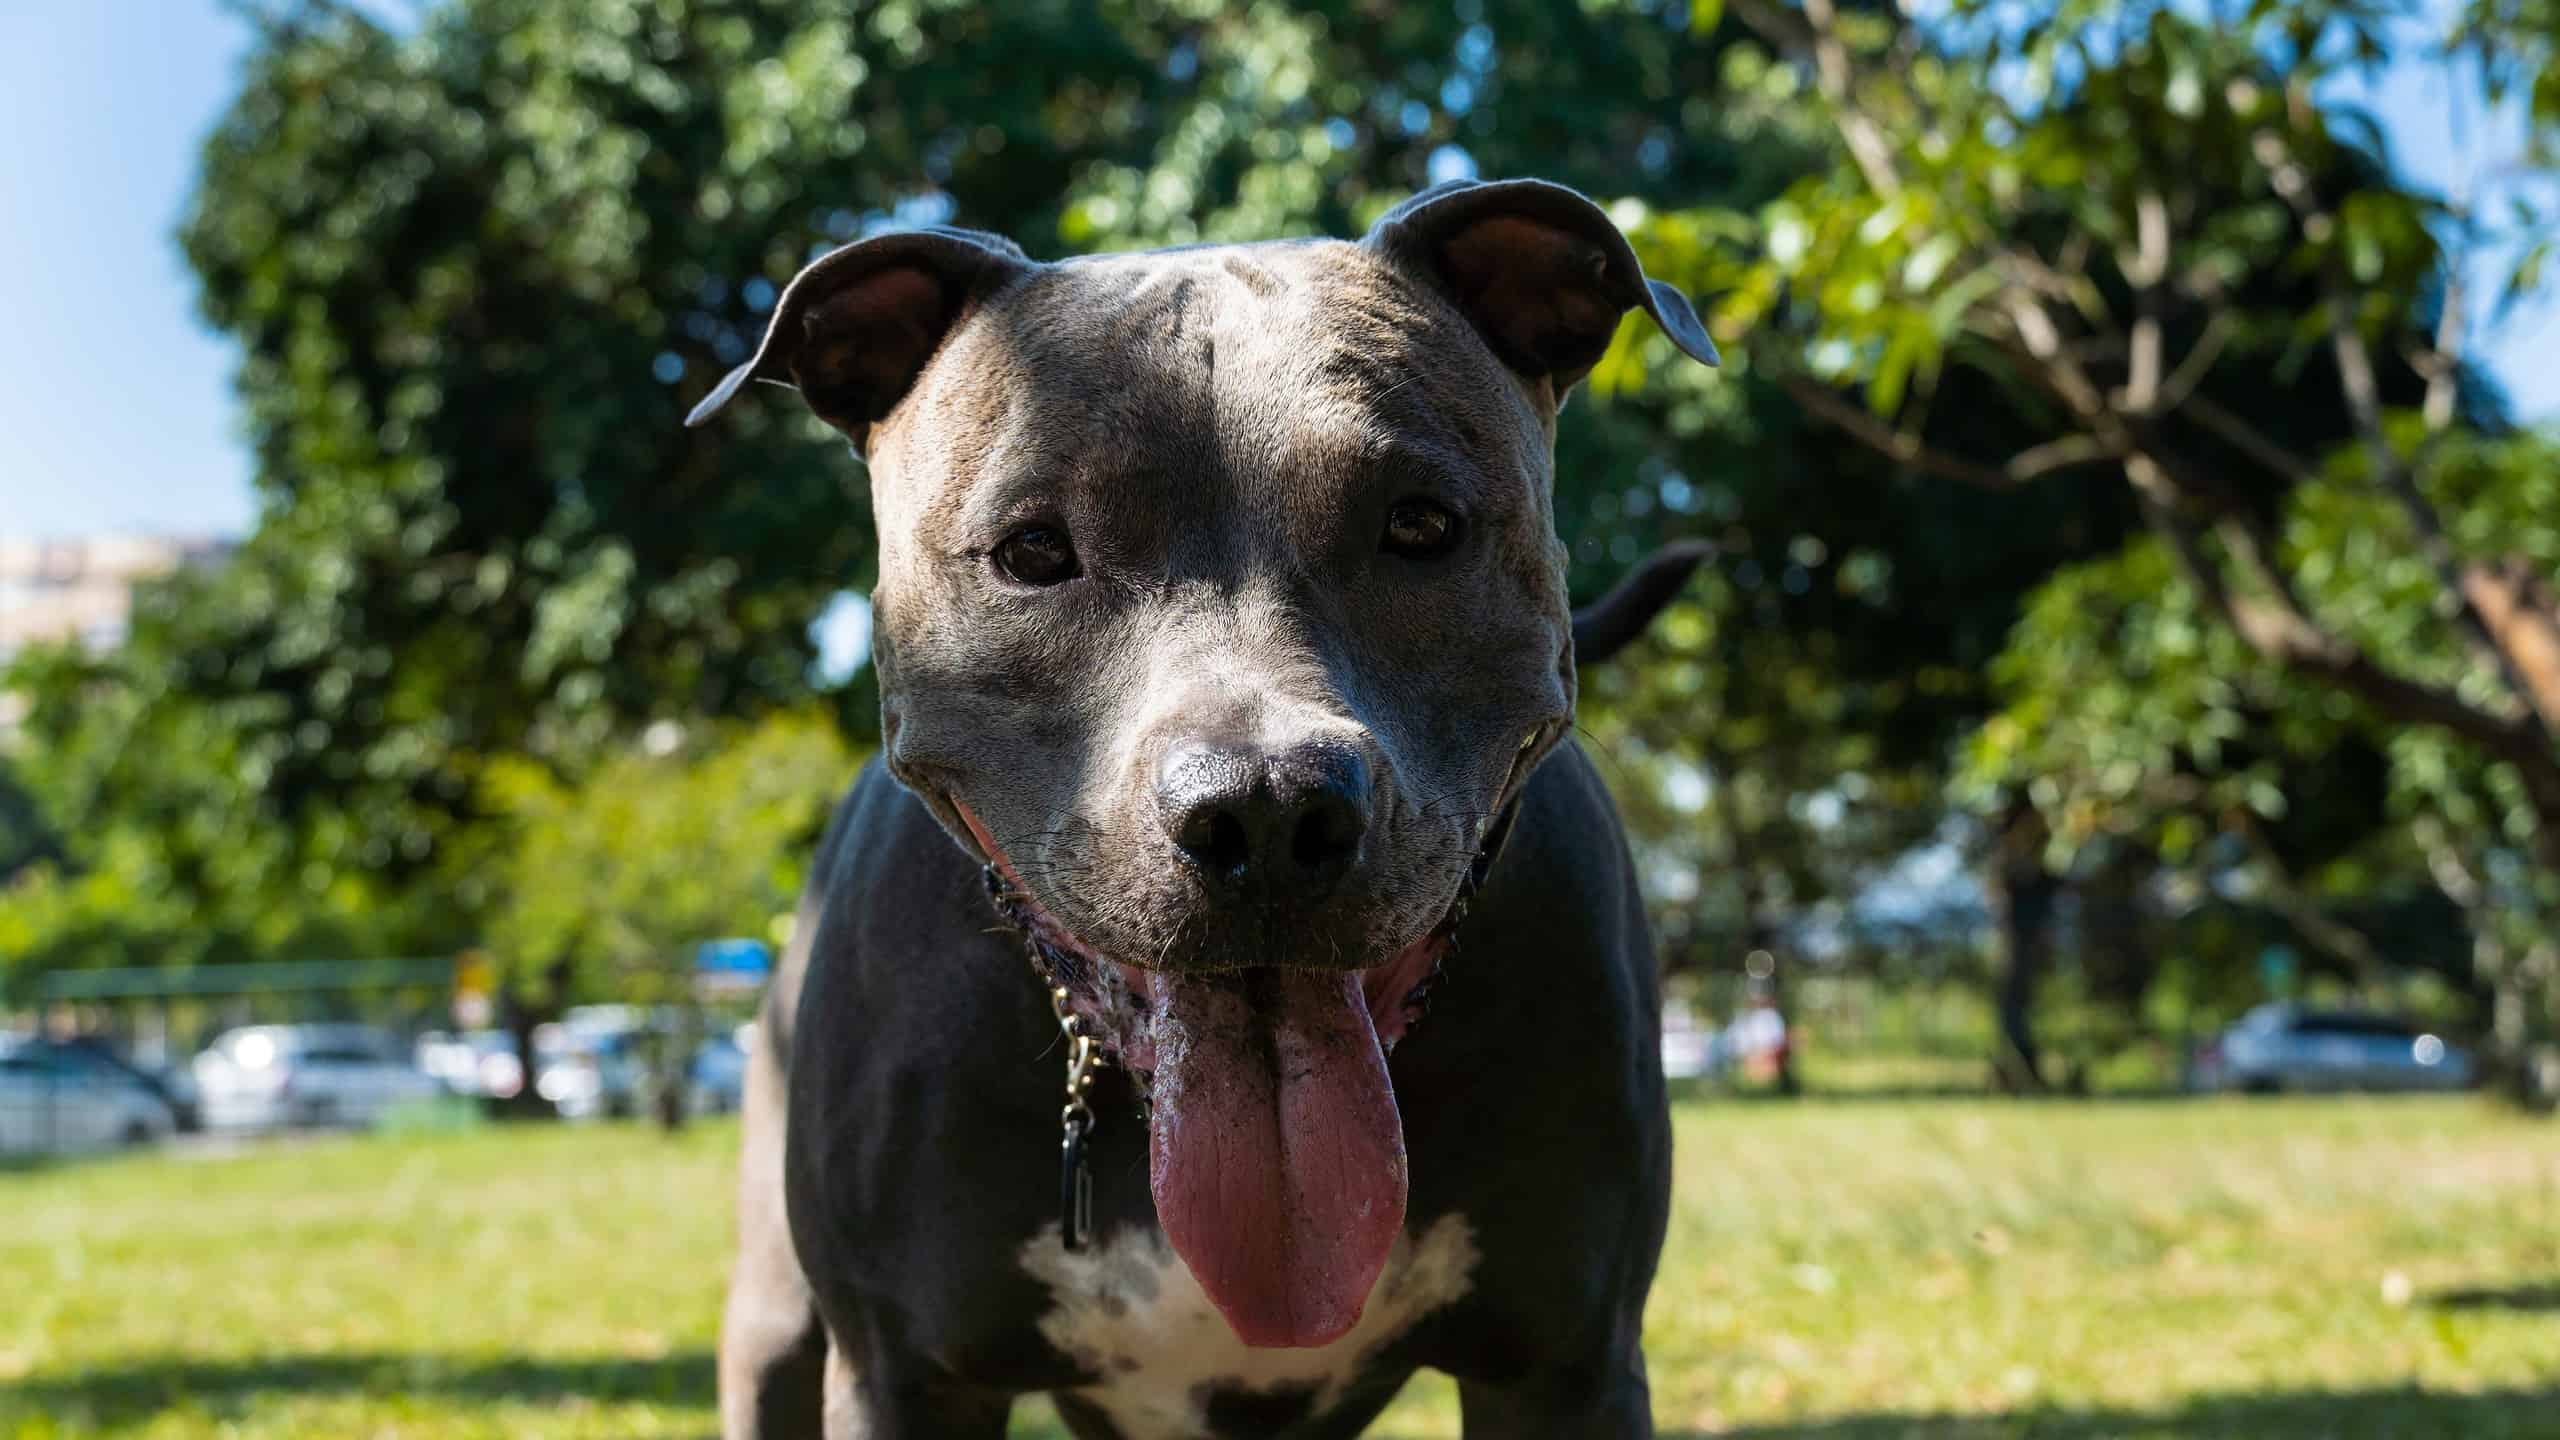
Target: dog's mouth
<point>1276,1150</point>
<point>1124,1006</point>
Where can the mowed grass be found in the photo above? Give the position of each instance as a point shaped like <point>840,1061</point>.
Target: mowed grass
<point>1953,1270</point>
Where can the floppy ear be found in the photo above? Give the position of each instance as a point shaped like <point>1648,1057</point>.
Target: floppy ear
<point>1538,270</point>
<point>855,328</point>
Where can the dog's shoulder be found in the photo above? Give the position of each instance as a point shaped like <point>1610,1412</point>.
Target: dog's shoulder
<point>879,843</point>
<point>881,836</point>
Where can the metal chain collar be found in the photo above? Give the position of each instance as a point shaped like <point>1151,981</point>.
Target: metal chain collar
<point>1075,1177</point>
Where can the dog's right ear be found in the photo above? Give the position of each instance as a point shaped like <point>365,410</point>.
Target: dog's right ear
<point>854,329</point>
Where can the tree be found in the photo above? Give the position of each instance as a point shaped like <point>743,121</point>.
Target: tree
<point>24,836</point>
<point>2041,197</point>
<point>609,886</point>
<point>2141,721</point>
<point>170,848</point>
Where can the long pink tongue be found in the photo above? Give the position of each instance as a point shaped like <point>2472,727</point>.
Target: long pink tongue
<point>1278,1155</point>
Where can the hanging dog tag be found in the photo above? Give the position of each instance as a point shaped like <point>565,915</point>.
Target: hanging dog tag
<point>1075,1186</point>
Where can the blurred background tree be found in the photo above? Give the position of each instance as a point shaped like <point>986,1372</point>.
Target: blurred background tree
<point>2069,483</point>
<point>2133,218</point>
<point>611,885</point>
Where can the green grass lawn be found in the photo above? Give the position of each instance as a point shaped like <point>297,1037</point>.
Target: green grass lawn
<point>1836,1271</point>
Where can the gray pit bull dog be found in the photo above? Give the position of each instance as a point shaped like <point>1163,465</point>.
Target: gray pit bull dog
<point>1223,642</point>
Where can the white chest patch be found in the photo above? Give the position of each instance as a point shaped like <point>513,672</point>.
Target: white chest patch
<point>1128,1310</point>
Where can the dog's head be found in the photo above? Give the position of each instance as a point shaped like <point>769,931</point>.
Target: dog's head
<point>1220,594</point>
<point>1221,604</point>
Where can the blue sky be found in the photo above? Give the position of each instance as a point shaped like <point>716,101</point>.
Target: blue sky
<point>115,403</point>
<point>115,406</point>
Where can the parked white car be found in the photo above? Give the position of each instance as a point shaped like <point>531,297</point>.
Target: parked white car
<point>481,1064</point>
<point>268,1077</point>
<point>1692,1049</point>
<point>64,1099</point>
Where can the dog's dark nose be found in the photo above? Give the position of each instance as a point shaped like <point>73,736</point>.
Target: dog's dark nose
<point>1278,824</point>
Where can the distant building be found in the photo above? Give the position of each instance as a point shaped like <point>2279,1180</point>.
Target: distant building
<point>82,590</point>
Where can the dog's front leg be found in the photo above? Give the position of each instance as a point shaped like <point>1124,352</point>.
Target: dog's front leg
<point>1608,1403</point>
<point>890,1401</point>
<point>772,1347</point>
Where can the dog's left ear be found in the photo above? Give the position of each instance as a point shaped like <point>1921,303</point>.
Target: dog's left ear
<point>1540,271</point>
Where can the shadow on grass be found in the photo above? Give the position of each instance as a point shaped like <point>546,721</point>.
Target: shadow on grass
<point>128,1394</point>
<point>2389,1414</point>
<point>135,1394</point>
<point>1726,1092</point>
<point>2541,1299</point>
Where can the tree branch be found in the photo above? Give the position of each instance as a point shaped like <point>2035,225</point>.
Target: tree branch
<point>2194,365</point>
<point>2363,391</point>
<point>2143,270</point>
<point>1863,426</point>
<point>2245,438</point>
<point>2524,619</point>
<point>2277,628</point>
<point>2287,897</point>
<point>2443,368</point>
<point>2035,330</point>
<point>1867,144</point>
<point>2058,454</point>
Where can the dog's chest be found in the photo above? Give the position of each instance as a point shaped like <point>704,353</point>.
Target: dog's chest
<point>1128,1311</point>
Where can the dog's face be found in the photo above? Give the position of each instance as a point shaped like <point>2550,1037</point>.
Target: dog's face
<point>1219,590</point>
<point>1221,609</point>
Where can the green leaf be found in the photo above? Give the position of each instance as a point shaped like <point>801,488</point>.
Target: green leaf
<point>1930,261</point>
<point>1893,373</point>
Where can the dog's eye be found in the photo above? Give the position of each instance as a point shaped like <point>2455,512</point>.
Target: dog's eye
<point>1419,530</point>
<point>1037,555</point>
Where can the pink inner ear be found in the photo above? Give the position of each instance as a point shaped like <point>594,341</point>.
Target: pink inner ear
<point>867,340</point>
<point>1540,295</point>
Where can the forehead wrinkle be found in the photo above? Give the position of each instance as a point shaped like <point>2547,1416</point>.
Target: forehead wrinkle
<point>1373,380</point>
<point>1096,362</point>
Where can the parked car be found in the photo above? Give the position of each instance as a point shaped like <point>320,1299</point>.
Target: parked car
<point>2288,1047</point>
<point>590,1069</point>
<point>1756,1042</point>
<point>587,1066</point>
<point>271,1076</point>
<point>58,1098</point>
<point>481,1064</point>
<point>1692,1049</point>
<point>171,1083</point>
<point>718,1083</point>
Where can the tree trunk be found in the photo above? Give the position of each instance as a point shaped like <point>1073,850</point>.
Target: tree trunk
<point>675,1066</point>
<point>2023,897</point>
<point>2511,1065</point>
<point>2116,957</point>
<point>526,1103</point>
<point>1760,936</point>
<point>2515,1062</point>
<point>523,1018</point>
<point>2525,1013</point>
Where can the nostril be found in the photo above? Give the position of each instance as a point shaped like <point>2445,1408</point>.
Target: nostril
<point>1215,839</point>
<point>1223,845</point>
<point>1326,836</point>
